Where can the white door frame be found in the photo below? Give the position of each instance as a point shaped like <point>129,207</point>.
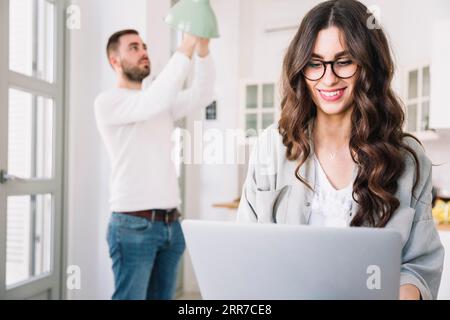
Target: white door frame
<point>48,286</point>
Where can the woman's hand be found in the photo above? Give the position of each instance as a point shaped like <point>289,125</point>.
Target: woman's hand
<point>203,47</point>
<point>409,292</point>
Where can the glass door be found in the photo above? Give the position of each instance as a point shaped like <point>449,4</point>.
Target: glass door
<point>31,148</point>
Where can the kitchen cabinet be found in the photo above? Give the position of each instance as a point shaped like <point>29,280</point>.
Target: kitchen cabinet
<point>440,72</point>
<point>417,102</point>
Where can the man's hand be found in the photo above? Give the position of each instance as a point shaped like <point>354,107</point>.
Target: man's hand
<point>409,292</point>
<point>203,47</point>
<point>188,44</point>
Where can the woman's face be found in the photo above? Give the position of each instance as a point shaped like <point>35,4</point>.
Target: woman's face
<point>331,94</point>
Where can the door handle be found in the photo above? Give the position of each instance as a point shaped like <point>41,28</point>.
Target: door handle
<point>5,177</point>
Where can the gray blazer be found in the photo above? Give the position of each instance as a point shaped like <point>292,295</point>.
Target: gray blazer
<point>272,194</point>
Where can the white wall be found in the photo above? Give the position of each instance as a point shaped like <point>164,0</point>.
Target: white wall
<point>211,183</point>
<point>158,34</point>
<point>439,153</point>
<point>225,53</point>
<point>262,53</point>
<point>88,166</point>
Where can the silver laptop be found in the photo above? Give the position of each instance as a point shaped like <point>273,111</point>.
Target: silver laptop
<point>234,261</point>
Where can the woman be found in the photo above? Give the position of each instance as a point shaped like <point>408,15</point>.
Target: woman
<point>338,156</point>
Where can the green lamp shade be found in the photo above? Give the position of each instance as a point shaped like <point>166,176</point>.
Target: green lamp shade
<point>195,17</point>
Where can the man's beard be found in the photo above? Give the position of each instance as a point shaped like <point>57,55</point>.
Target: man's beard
<point>135,73</point>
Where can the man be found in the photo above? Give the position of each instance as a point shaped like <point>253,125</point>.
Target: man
<point>144,235</point>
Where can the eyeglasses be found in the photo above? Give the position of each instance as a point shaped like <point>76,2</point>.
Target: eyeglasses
<point>342,68</point>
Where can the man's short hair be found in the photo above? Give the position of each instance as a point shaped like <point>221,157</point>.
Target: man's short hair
<point>114,40</point>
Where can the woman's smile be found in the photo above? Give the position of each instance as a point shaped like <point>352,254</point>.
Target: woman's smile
<point>332,95</point>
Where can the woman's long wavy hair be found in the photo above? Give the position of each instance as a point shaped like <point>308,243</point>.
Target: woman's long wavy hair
<point>376,141</point>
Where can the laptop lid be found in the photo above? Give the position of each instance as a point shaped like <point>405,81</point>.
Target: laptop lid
<point>270,262</point>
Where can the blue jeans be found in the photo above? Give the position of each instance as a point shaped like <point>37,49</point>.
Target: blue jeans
<point>145,257</point>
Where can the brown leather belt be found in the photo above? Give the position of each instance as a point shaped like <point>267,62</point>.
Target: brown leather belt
<point>168,216</point>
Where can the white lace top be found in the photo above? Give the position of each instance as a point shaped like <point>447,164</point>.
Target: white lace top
<point>330,207</point>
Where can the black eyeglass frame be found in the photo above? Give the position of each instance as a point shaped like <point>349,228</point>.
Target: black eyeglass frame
<point>325,63</point>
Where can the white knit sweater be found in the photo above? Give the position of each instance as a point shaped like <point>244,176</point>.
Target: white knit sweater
<point>136,127</point>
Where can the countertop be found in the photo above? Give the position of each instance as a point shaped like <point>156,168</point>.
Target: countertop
<point>235,204</point>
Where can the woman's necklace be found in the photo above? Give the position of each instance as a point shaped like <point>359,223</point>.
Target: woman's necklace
<point>332,154</point>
